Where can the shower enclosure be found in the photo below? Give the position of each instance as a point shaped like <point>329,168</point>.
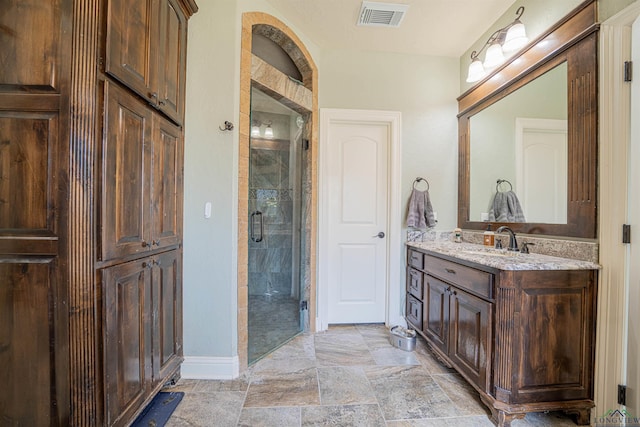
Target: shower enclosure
<point>276,232</point>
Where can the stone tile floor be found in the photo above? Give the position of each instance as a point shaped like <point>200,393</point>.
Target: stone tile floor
<point>347,376</point>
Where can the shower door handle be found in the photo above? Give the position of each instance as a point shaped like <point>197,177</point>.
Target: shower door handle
<point>253,224</point>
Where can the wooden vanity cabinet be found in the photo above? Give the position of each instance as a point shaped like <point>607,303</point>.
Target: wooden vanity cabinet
<point>524,339</point>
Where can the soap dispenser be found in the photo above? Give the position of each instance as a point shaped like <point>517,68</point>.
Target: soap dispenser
<point>489,236</point>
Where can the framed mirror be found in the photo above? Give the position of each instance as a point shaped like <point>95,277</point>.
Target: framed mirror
<point>528,137</point>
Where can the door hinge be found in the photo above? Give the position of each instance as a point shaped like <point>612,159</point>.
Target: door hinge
<point>303,305</point>
<point>628,71</point>
<point>622,394</point>
<point>305,144</point>
<point>626,233</point>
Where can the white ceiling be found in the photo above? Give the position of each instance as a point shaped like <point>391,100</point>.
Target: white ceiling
<point>430,27</point>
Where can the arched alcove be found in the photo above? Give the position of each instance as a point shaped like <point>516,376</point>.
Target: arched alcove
<point>258,73</point>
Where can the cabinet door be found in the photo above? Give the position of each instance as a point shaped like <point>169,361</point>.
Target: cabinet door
<point>436,312</point>
<point>167,303</point>
<point>553,355</point>
<point>166,200</point>
<point>35,45</point>
<point>127,338</point>
<point>130,47</point>
<point>125,213</point>
<point>470,336</point>
<point>172,42</point>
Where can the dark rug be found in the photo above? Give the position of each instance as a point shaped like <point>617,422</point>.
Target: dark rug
<point>159,410</point>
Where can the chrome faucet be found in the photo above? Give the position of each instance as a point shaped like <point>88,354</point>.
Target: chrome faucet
<point>513,243</point>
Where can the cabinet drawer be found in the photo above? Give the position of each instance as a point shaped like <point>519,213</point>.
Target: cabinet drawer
<point>416,259</point>
<point>414,312</point>
<point>476,281</point>
<point>415,283</point>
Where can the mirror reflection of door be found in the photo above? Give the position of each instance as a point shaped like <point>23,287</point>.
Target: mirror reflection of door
<point>494,152</point>
<point>541,169</point>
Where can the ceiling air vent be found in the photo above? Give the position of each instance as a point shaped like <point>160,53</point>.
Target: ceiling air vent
<point>374,14</point>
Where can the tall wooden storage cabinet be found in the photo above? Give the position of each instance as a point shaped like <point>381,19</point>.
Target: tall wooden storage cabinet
<point>91,159</point>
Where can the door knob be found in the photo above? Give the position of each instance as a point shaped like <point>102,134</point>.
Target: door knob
<point>380,235</point>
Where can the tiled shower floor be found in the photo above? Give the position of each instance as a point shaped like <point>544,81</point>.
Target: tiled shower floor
<point>347,376</point>
<point>272,321</point>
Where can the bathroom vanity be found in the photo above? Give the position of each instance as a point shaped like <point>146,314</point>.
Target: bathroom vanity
<point>519,327</point>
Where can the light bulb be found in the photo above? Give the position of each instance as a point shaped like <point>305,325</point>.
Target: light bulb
<point>516,37</point>
<point>476,71</point>
<point>255,130</point>
<point>494,56</point>
<point>268,132</point>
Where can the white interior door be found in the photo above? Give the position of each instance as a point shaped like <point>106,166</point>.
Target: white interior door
<point>541,167</point>
<point>357,226</point>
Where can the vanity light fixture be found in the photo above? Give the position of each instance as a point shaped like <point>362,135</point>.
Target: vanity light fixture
<point>268,131</point>
<point>255,129</point>
<point>505,40</point>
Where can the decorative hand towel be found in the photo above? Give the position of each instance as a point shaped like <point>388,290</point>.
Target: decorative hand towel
<point>420,211</point>
<point>506,208</point>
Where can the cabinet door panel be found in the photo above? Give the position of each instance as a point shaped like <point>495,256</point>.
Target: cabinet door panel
<point>172,41</point>
<point>27,145</point>
<point>436,312</point>
<point>129,49</point>
<point>470,335</point>
<point>167,301</point>
<point>29,320</point>
<point>30,36</point>
<point>125,213</point>
<point>127,338</point>
<point>557,338</point>
<point>167,184</point>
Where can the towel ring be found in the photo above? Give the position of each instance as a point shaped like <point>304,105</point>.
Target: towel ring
<point>417,181</point>
<point>502,181</point>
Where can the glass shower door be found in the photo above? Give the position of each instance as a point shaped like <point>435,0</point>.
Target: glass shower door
<point>275,170</point>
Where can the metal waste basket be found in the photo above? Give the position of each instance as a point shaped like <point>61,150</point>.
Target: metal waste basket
<point>403,338</point>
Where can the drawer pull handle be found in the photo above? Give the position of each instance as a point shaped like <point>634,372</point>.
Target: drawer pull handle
<point>450,271</point>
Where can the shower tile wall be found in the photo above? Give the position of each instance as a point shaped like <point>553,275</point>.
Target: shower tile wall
<point>270,260</point>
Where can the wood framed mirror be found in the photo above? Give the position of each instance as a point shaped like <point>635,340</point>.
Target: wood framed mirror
<point>549,86</point>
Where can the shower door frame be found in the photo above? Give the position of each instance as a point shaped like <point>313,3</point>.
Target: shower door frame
<point>275,210</point>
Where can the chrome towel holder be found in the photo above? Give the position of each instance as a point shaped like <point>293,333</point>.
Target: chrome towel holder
<point>417,181</point>
<point>502,181</point>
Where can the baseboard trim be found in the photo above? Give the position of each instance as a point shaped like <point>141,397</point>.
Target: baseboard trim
<point>210,368</point>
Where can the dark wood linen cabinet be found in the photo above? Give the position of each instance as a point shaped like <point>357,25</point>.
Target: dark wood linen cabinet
<point>90,207</point>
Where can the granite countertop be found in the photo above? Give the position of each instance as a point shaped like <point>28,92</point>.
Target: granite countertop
<point>501,258</point>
